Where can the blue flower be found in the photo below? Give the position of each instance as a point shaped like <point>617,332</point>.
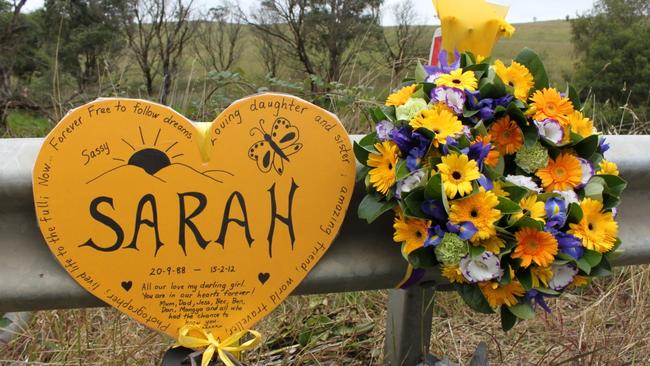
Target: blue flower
<point>485,182</point>
<point>556,212</point>
<point>434,209</point>
<point>486,106</point>
<point>445,68</point>
<point>465,230</point>
<point>569,244</point>
<point>602,145</point>
<point>538,299</point>
<point>479,151</point>
<point>406,140</point>
<point>435,236</point>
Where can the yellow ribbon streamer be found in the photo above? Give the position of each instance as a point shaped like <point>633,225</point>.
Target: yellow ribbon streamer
<point>187,337</point>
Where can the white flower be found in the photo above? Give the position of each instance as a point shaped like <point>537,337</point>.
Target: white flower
<point>562,276</point>
<point>524,181</point>
<point>588,171</point>
<point>569,196</point>
<point>452,97</point>
<point>485,267</point>
<point>384,128</point>
<point>412,181</point>
<point>410,109</point>
<point>551,130</point>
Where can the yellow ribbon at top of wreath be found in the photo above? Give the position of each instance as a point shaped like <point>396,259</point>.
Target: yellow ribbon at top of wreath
<point>472,25</point>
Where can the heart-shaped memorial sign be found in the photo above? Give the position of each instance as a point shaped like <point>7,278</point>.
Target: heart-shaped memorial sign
<point>176,224</point>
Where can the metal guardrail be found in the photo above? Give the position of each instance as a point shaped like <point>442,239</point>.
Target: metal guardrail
<point>363,257</point>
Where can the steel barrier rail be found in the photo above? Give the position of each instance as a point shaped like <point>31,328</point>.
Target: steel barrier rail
<point>363,257</point>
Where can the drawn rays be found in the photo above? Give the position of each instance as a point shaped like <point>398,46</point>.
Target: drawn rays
<point>152,159</point>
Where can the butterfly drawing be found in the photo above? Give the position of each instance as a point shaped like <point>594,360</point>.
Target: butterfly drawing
<point>276,146</point>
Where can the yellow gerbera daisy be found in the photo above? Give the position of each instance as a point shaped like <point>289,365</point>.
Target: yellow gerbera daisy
<point>453,274</point>
<point>561,174</point>
<point>550,104</point>
<point>540,276</point>
<point>480,210</point>
<point>497,295</point>
<point>439,120</point>
<point>412,232</point>
<point>608,168</point>
<point>597,229</point>
<point>580,124</point>
<point>532,208</point>
<point>458,172</point>
<point>459,80</point>
<point>507,135</point>
<point>498,190</point>
<point>579,281</point>
<point>517,76</point>
<point>535,246</point>
<point>492,244</point>
<point>401,96</point>
<point>382,176</point>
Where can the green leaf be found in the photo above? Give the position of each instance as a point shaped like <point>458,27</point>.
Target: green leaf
<point>531,135</point>
<point>508,319</point>
<point>602,269</point>
<point>574,97</point>
<point>575,213</point>
<point>475,251</point>
<point>491,86</point>
<point>506,206</point>
<point>529,222</point>
<point>433,188</point>
<point>389,112</point>
<point>474,298</point>
<point>361,153</point>
<point>587,146</point>
<point>516,192</point>
<point>372,206</point>
<point>517,115</point>
<point>420,73</point>
<point>615,184</point>
<point>592,257</point>
<point>534,64</point>
<point>5,322</point>
<point>423,258</point>
<point>523,310</point>
<point>584,265</point>
<point>526,279</point>
<point>594,189</point>
<point>362,172</point>
<point>413,202</point>
<point>505,279</point>
<point>548,291</point>
<point>402,171</point>
<point>479,129</point>
<point>376,114</point>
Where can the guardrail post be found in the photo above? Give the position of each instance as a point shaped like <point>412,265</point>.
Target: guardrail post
<point>408,327</point>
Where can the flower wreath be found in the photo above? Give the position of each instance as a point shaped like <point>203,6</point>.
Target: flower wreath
<point>495,179</point>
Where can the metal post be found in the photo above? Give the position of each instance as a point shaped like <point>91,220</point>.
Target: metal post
<point>408,327</point>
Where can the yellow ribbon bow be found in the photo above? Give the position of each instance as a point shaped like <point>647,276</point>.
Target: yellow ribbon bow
<point>472,25</point>
<point>187,338</point>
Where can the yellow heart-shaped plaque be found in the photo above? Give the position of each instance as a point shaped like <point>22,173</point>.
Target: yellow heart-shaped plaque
<point>177,224</point>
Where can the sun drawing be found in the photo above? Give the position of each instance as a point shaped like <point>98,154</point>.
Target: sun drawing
<point>153,159</point>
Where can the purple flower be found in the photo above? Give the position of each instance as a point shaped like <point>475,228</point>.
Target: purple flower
<point>384,129</point>
<point>406,140</point>
<point>484,267</point>
<point>465,231</point>
<point>556,212</point>
<point>485,182</point>
<point>486,106</point>
<point>452,97</point>
<point>435,236</point>
<point>551,130</point>
<point>602,145</point>
<point>569,245</point>
<point>434,209</point>
<point>478,151</point>
<point>444,68</point>
<point>538,299</point>
<point>587,171</point>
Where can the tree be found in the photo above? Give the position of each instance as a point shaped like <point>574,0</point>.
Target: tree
<point>158,32</point>
<point>323,35</point>
<point>401,41</point>
<point>613,44</point>
<point>82,34</point>
<point>218,41</point>
<point>19,57</point>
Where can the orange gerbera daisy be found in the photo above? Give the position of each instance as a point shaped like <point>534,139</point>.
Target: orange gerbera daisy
<point>492,159</point>
<point>498,295</point>
<point>549,103</point>
<point>507,136</point>
<point>535,246</point>
<point>561,174</point>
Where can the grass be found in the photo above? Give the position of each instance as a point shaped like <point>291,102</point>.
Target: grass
<point>23,124</point>
<point>606,325</point>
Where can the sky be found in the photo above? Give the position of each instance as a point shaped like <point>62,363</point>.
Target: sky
<point>521,11</point>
